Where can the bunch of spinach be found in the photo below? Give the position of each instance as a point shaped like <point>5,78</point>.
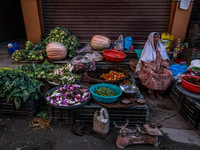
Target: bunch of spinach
<point>18,87</point>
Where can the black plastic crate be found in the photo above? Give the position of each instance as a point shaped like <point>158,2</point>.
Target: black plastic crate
<point>29,108</point>
<point>191,111</point>
<point>175,95</point>
<point>58,115</point>
<point>135,114</point>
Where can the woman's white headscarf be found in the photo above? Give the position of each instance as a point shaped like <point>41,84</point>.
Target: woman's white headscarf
<point>149,52</point>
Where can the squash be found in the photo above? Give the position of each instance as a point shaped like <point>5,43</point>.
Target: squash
<point>56,51</point>
<point>100,42</point>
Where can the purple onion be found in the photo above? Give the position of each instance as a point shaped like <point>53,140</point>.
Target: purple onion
<point>84,90</point>
<point>85,99</point>
<point>78,96</point>
<point>68,87</point>
<point>64,87</point>
<point>60,89</point>
<point>48,98</point>
<point>71,88</point>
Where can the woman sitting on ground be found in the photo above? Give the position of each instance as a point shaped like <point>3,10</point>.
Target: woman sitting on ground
<point>153,67</point>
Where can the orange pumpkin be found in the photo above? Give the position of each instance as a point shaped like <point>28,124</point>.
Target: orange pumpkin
<point>100,42</point>
<point>56,51</point>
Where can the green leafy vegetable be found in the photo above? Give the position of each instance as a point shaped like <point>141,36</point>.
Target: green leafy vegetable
<point>17,86</point>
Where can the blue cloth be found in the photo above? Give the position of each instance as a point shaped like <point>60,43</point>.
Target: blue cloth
<point>178,69</point>
<point>128,42</point>
<point>13,49</point>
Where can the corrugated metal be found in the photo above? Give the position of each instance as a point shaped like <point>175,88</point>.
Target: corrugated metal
<point>135,18</point>
<point>195,15</point>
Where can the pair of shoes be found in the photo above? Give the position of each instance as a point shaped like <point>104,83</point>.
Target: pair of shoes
<point>159,96</point>
<point>152,96</point>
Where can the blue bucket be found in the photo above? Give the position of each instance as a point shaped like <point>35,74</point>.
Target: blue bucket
<point>13,49</point>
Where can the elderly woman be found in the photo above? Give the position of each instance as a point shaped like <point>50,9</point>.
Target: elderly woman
<point>153,67</point>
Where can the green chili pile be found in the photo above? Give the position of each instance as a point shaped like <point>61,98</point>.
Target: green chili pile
<point>103,91</point>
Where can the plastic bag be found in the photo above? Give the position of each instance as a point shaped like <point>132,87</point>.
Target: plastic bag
<point>86,48</point>
<point>94,56</point>
<point>118,44</point>
<point>127,42</point>
<point>83,63</point>
<point>166,39</point>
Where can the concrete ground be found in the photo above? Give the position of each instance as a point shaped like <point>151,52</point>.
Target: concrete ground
<point>15,132</point>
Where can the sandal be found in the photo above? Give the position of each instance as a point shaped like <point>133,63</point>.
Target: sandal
<point>152,96</point>
<point>159,96</point>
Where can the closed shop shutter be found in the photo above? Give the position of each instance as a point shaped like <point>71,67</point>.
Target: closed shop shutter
<point>195,15</point>
<point>85,18</point>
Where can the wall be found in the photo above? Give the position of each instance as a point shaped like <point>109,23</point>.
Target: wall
<point>12,24</point>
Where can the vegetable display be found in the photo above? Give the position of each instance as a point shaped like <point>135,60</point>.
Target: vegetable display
<point>67,95</point>
<point>29,55</point>
<point>195,81</point>
<point>18,87</point>
<point>113,75</point>
<point>82,63</point>
<point>36,71</point>
<point>63,36</point>
<point>56,51</point>
<point>4,69</point>
<point>62,75</point>
<point>37,51</point>
<point>33,52</point>
<point>103,91</point>
<point>100,42</point>
<point>37,46</point>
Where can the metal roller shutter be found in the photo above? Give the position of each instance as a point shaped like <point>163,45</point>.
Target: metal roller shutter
<point>195,15</point>
<point>135,18</point>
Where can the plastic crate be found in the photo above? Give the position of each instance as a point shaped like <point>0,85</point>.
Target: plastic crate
<point>58,115</point>
<point>191,111</point>
<point>135,114</point>
<point>175,95</point>
<point>189,54</point>
<point>29,108</point>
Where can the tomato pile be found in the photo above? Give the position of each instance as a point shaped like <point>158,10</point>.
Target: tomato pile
<point>113,75</point>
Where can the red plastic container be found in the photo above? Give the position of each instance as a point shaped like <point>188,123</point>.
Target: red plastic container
<point>189,86</point>
<point>113,55</point>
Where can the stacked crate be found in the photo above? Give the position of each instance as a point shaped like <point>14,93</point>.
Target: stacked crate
<point>29,108</point>
<point>135,114</point>
<point>188,107</point>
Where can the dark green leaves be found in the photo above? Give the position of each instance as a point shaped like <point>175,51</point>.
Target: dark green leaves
<point>18,87</point>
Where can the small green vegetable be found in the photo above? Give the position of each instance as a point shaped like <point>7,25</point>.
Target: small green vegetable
<point>105,92</point>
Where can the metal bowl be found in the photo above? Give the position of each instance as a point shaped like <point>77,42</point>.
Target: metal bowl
<point>129,90</point>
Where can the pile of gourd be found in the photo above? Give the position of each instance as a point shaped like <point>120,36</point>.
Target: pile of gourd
<point>63,36</point>
<point>33,52</point>
<point>61,42</point>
